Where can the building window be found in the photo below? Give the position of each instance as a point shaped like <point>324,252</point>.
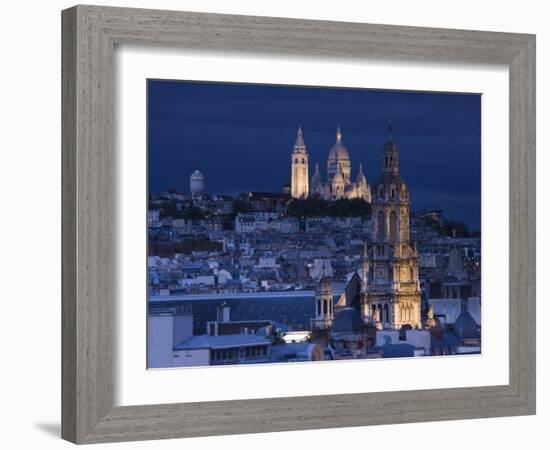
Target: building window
<point>393,225</point>
<point>381,225</point>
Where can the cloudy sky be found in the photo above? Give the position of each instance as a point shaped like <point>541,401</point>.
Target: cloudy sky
<point>240,137</point>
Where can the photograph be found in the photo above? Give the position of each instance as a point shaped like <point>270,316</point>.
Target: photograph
<point>262,225</point>
<point>298,223</point>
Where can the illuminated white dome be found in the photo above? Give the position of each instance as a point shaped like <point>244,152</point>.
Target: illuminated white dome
<point>338,159</point>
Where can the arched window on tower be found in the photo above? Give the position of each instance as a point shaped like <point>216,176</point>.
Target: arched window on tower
<point>381,226</point>
<point>393,225</point>
<point>392,191</point>
<point>303,161</point>
<point>296,161</point>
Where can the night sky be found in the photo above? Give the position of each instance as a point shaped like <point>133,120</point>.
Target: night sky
<point>240,136</point>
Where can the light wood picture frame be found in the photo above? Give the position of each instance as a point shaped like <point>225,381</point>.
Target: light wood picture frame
<point>90,34</point>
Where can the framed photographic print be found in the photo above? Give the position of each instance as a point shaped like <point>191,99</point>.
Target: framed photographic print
<point>265,229</point>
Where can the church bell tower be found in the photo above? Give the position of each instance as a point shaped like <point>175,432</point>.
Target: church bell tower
<point>392,288</point>
<point>300,177</point>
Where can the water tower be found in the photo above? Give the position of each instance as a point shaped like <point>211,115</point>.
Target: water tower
<point>196,183</point>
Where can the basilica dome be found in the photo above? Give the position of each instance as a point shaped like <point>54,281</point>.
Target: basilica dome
<point>338,153</point>
<point>361,180</point>
<point>338,159</point>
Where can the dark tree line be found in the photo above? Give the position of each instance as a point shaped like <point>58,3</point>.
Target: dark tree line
<point>188,246</point>
<point>314,207</point>
<point>169,209</point>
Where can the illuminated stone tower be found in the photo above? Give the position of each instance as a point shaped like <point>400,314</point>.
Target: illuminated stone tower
<point>300,177</point>
<point>392,290</point>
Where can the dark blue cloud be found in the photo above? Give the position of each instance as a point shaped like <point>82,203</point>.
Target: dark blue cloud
<point>240,136</point>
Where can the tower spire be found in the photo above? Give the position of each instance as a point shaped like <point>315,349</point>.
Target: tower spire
<point>299,138</point>
<point>391,155</point>
<point>338,135</point>
<point>361,168</point>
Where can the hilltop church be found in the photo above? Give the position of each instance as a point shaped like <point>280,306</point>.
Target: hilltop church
<point>338,184</point>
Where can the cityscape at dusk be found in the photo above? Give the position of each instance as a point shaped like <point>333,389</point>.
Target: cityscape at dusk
<point>293,224</point>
